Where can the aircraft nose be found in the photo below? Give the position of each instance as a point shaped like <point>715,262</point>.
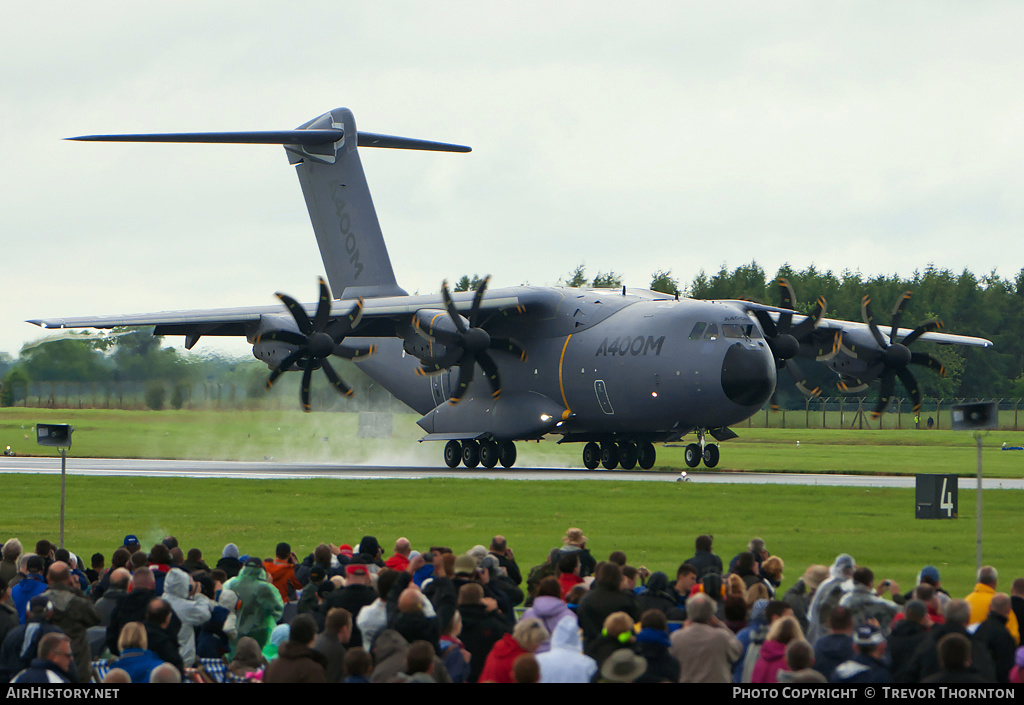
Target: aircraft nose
<point>748,375</point>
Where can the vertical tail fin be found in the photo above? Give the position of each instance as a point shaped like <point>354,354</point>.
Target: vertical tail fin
<point>324,152</point>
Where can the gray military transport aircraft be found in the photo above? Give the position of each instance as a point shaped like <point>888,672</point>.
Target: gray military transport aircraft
<point>616,370</point>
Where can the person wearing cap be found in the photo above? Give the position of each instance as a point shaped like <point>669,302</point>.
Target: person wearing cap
<point>369,553</point>
<point>131,543</point>
<point>576,543</point>
<point>21,644</point>
<point>623,666</point>
<point>261,605</point>
<point>28,587</point>
<point>800,595</point>
<point>229,561</point>
<point>357,593</point>
<point>908,634</point>
<point>867,664</point>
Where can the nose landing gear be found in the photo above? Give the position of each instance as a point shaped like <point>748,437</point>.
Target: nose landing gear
<point>695,452</point>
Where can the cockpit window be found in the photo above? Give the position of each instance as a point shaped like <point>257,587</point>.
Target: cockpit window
<point>698,328</point>
<point>740,330</point>
<point>711,333</point>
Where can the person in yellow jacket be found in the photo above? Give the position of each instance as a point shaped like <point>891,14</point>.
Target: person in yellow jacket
<point>981,598</point>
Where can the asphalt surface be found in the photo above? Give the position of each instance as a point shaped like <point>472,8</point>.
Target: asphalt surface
<point>283,470</point>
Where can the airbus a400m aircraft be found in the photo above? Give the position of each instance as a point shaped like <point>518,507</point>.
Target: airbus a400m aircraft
<point>616,370</point>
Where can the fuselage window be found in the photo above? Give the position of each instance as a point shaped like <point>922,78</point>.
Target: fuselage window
<point>698,328</point>
<point>711,333</point>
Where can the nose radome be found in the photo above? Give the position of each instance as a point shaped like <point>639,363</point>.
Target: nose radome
<point>748,375</point>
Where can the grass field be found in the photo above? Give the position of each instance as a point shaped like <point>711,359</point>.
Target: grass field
<point>654,523</point>
<point>332,437</point>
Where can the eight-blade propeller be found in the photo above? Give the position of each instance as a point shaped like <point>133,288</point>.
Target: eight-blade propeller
<point>787,340</point>
<point>892,357</point>
<point>317,340</point>
<point>467,346</point>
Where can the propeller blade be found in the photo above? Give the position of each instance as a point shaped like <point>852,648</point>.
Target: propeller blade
<point>335,380</point>
<point>491,371</point>
<point>510,346</point>
<point>869,318</point>
<point>298,313</point>
<point>910,384</point>
<point>800,380</point>
<point>786,294</point>
<point>465,378</point>
<point>480,289</point>
<point>307,375</point>
<point>283,367</point>
<point>926,327</point>
<point>767,324</point>
<point>928,361</point>
<point>897,313</point>
<point>811,322</point>
<point>323,307</point>
<point>354,354</point>
<point>450,306</point>
<point>886,394</point>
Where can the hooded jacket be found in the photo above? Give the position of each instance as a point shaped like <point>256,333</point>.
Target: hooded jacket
<point>771,660</point>
<point>565,662</point>
<point>193,613</point>
<point>260,603</point>
<point>827,596</point>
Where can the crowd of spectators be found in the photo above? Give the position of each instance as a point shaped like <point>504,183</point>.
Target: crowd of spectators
<point>429,614</point>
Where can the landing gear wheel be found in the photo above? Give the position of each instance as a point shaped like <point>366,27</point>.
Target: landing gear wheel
<point>646,455</point>
<point>470,454</point>
<point>692,455</point>
<point>488,454</point>
<point>591,456</point>
<point>452,454</point>
<point>507,454</point>
<point>609,456</point>
<point>710,456</point>
<point>627,456</point>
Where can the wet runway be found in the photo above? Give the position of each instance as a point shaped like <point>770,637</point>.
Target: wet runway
<point>283,470</point>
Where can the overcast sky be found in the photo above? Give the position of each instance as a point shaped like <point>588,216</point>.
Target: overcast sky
<point>872,136</point>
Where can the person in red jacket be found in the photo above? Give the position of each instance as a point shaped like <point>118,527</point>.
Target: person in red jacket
<point>527,637</point>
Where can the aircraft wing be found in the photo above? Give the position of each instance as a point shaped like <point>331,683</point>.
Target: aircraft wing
<point>379,315</point>
<point>863,331</point>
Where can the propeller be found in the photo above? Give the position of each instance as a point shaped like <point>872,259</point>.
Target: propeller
<point>317,340</point>
<point>893,357</point>
<point>787,340</point>
<point>467,346</point>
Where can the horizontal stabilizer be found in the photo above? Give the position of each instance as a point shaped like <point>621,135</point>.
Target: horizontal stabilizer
<point>303,137</point>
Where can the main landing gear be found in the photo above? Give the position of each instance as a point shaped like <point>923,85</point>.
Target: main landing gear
<point>625,455</point>
<point>473,453</point>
